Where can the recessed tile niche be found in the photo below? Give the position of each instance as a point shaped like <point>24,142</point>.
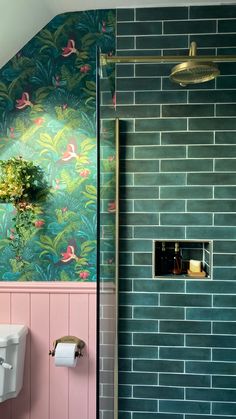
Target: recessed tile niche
<point>166,253</point>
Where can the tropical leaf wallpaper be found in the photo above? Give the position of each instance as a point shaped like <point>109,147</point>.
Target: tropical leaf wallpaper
<point>48,116</point>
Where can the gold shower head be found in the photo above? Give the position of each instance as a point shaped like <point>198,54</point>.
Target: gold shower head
<point>192,72</point>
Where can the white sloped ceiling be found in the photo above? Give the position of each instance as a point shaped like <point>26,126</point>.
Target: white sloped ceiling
<point>20,20</point>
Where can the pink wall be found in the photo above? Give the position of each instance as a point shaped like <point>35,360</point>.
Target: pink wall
<point>51,311</point>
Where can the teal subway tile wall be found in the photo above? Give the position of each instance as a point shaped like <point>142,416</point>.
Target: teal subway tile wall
<point>178,181</point>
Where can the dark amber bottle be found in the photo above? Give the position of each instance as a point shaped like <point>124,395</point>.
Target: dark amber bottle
<point>177,262</point>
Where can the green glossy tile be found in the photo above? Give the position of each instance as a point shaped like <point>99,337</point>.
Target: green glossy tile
<point>212,206</point>
<point>175,233</point>
<point>158,313</point>
<point>125,205</point>
<point>206,12</point>
<point>197,354</point>
<point>121,415</point>
<point>125,258</point>
<point>167,84</point>
<point>158,366</point>
<point>140,83</point>
<point>138,326</point>
<point>139,299</point>
<point>159,152</point>
<point>159,286</point>
<point>124,70</point>
<point>158,339</point>
<point>135,405</point>
<point>213,123</point>
<point>137,378</point>
<point>224,301</point>
<point>138,352</point>
<point>187,110</point>
<point>225,137</point>
<point>131,245</point>
<point>125,312</point>
<point>156,416</point>
<point>186,219</point>
<point>184,380</point>
<point>224,355</point>
<point>211,314</point>
<point>126,153</point>
<point>211,287</point>
<point>125,42</point>
<point>225,165</point>
<point>187,165</point>
<point>135,272</point>
<point>214,40</point>
<point>144,138</point>
<point>185,327</point>
<point>157,179</point>
<point>139,219</point>
<point>158,392</point>
<point>138,165</point>
<point>160,124</point>
<point>211,394</point>
<point>185,300</point>
<point>139,28</point>
<point>195,26</point>
<point>224,328</point>
<point>137,111</point>
<point>210,367</point>
<point>162,41</point>
<point>143,259</point>
<point>184,406</point>
<point>227,82</point>
<point>210,416</point>
<point>225,220</point>
<point>211,341</point>
<point>212,151</point>
<point>124,390</point>
<point>214,96</point>
<point>227,274</point>
<point>224,260</point>
<point>211,179</point>
<point>125,15</point>
<point>124,98</point>
<point>152,70</point>
<point>139,192</point>
<point>161,97</point>
<point>227,25</point>
<point>225,247</point>
<point>186,137</point>
<point>159,205</point>
<point>125,338</point>
<point>126,232</point>
<point>224,409</point>
<point>162,13</point>
<point>186,192</point>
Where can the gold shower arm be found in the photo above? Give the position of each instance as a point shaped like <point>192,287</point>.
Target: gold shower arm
<point>107,59</point>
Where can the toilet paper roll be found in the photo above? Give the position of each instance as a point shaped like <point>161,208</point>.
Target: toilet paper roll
<point>65,355</point>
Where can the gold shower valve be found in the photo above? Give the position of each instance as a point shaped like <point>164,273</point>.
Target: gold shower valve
<point>69,339</point>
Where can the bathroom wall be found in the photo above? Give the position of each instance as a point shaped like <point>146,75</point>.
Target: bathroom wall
<point>178,147</point>
<point>48,115</point>
<point>51,312</point>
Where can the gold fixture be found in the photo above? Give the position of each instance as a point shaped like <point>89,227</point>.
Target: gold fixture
<point>191,72</point>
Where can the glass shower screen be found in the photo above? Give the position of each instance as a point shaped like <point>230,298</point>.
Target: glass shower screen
<point>108,161</point>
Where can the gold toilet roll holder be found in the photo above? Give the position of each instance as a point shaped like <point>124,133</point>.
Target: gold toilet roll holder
<point>69,339</point>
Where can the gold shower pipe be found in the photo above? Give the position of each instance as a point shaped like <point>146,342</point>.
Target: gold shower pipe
<point>109,59</point>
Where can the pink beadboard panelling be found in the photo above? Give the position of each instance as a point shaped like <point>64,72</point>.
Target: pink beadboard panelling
<point>51,311</point>
<point>39,371</point>
<point>79,382</point>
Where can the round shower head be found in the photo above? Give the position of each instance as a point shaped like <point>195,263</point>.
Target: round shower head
<point>192,72</point>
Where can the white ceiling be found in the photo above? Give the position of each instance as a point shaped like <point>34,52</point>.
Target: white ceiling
<point>20,20</point>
